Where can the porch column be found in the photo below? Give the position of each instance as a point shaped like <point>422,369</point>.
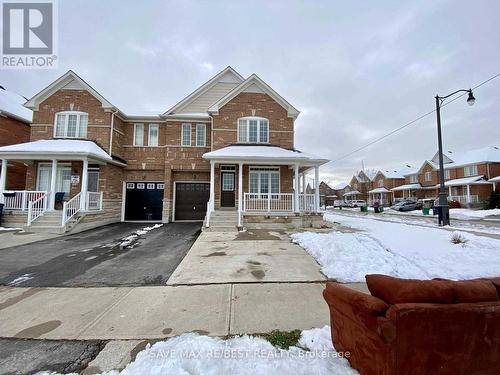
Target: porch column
<point>212,186</point>
<point>303,183</point>
<point>240,192</point>
<point>316,187</point>
<point>468,193</point>
<point>3,180</point>
<point>449,190</point>
<point>84,186</point>
<point>296,205</point>
<point>53,182</point>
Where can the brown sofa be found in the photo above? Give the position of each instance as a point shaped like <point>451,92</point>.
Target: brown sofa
<point>418,327</point>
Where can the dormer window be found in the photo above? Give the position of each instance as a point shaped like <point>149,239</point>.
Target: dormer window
<point>253,130</point>
<point>71,124</point>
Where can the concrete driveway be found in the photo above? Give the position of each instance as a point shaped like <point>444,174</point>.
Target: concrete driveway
<point>98,257</point>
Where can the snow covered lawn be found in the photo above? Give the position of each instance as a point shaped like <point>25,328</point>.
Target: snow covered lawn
<point>398,249</point>
<point>194,354</point>
<point>455,213</point>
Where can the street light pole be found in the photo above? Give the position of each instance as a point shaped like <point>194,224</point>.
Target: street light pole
<point>443,209</point>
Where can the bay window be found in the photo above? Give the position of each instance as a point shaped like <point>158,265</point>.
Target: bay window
<point>253,130</point>
<point>71,124</point>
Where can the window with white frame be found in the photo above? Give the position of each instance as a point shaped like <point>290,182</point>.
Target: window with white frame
<point>414,179</point>
<point>428,176</point>
<point>446,174</point>
<point>153,135</point>
<point>186,135</point>
<point>470,170</point>
<point>264,180</point>
<point>253,130</point>
<point>71,124</point>
<point>138,134</point>
<point>201,134</point>
<point>380,183</point>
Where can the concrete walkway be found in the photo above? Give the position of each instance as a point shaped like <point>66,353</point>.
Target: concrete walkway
<point>159,312</point>
<point>255,256</point>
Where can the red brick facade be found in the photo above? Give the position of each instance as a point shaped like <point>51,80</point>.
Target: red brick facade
<point>12,132</point>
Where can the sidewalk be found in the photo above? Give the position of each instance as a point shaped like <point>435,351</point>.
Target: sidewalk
<point>159,312</point>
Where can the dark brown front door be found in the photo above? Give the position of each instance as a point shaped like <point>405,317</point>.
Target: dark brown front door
<point>227,189</point>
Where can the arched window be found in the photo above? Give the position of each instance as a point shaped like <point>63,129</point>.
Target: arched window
<point>70,124</point>
<point>253,130</point>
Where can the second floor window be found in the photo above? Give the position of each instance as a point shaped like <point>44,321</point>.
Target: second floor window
<point>201,131</point>
<point>446,174</point>
<point>186,135</point>
<point>253,130</point>
<point>470,170</point>
<point>138,134</point>
<point>71,125</point>
<point>428,176</point>
<point>414,179</point>
<point>380,183</point>
<point>153,135</point>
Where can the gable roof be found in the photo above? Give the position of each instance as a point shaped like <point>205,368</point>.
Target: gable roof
<point>341,186</point>
<point>11,105</point>
<point>452,159</point>
<point>255,84</point>
<point>398,173</point>
<point>227,75</point>
<point>69,80</point>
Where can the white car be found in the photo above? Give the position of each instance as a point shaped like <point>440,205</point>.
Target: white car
<point>357,203</point>
<point>340,203</point>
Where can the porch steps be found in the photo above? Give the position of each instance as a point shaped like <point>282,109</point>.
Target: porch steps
<point>50,222</point>
<point>223,221</point>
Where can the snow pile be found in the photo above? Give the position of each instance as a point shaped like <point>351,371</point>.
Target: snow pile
<point>21,279</point>
<point>129,240</point>
<point>400,250</point>
<point>194,354</point>
<point>465,213</point>
<point>3,229</point>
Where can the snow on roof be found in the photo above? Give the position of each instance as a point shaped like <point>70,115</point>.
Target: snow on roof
<point>379,190</point>
<point>371,174</point>
<point>349,193</point>
<point>56,147</point>
<point>252,152</point>
<point>399,173</point>
<point>466,181</point>
<point>341,186</point>
<point>11,104</point>
<point>196,115</point>
<point>479,155</point>
<point>407,187</point>
<point>495,179</point>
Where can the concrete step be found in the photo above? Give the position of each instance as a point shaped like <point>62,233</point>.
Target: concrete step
<point>220,220</point>
<point>221,229</point>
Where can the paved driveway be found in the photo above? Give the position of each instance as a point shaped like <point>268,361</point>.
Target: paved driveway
<point>95,257</point>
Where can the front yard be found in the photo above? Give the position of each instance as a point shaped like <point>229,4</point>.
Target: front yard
<point>399,249</point>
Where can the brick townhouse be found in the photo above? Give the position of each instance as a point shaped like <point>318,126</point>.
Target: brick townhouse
<point>15,123</point>
<point>229,145</point>
<point>385,181</point>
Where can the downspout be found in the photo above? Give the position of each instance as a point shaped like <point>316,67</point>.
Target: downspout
<point>111,132</point>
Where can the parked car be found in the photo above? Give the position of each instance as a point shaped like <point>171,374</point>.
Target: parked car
<point>340,203</point>
<point>357,203</point>
<point>405,206</point>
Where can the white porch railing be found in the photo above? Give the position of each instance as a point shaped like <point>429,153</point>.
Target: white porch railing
<point>18,199</point>
<point>307,203</point>
<point>94,200</point>
<point>37,207</point>
<point>463,199</point>
<point>70,209</point>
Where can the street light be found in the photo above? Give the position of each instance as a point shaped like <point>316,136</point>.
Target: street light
<point>443,209</point>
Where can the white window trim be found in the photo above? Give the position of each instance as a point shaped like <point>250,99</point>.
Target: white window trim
<point>152,126</point>
<point>428,174</point>
<point>467,168</point>
<point>182,134</point>
<point>199,126</point>
<point>414,179</point>
<point>135,131</point>
<point>447,174</point>
<point>67,114</point>
<point>267,170</point>
<point>247,136</point>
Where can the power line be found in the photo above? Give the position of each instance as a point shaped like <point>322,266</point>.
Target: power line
<point>411,122</point>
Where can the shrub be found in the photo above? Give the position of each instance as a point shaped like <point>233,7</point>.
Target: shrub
<point>458,238</point>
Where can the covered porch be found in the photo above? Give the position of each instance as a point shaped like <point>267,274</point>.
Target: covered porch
<point>262,180</point>
<point>408,192</point>
<point>62,175</point>
<point>381,195</point>
<point>469,190</point>
<point>353,195</point>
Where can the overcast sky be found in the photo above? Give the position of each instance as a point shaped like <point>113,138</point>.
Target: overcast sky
<point>355,69</point>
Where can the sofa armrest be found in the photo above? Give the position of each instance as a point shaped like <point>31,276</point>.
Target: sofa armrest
<point>363,302</point>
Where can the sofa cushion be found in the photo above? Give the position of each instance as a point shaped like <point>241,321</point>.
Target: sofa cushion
<point>393,290</point>
<point>468,291</point>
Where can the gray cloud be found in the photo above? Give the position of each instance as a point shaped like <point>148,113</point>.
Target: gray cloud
<point>356,69</point>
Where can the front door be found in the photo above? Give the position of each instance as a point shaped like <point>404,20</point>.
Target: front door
<point>227,189</point>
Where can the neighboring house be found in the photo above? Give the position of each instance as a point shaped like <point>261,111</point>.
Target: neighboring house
<point>327,194</point>
<point>466,176</point>
<point>340,189</point>
<point>362,183</point>
<point>229,144</point>
<point>15,122</point>
<point>385,181</point>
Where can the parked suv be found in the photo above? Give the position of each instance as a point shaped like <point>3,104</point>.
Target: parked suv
<point>405,206</point>
<point>340,203</point>
<point>357,203</point>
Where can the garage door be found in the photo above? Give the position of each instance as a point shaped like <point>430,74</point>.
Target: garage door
<point>191,200</point>
<point>144,201</point>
